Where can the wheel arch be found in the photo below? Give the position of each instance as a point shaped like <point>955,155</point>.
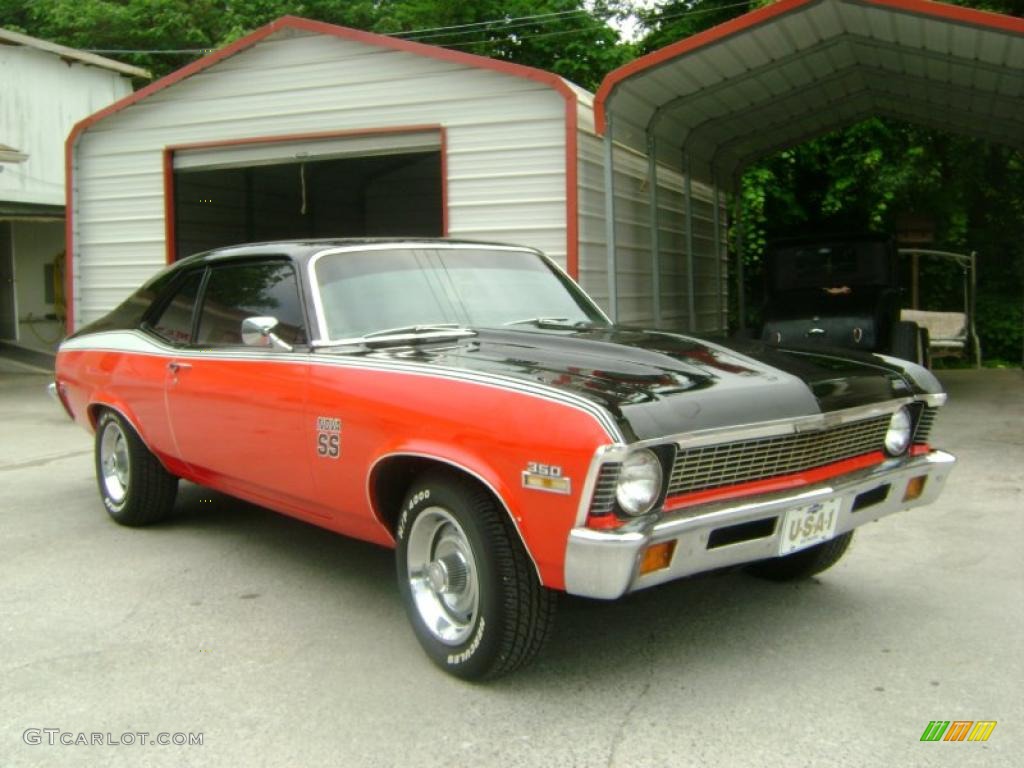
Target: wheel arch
<point>393,474</point>
<point>96,407</point>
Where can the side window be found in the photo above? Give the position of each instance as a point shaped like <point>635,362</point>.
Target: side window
<point>237,291</point>
<point>175,321</point>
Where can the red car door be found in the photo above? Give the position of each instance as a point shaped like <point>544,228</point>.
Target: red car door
<point>236,411</point>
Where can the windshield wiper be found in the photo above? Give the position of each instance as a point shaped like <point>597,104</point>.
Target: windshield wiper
<point>557,322</point>
<point>406,334</point>
<point>414,329</point>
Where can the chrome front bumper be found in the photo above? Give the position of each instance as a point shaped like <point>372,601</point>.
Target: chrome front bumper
<point>605,564</point>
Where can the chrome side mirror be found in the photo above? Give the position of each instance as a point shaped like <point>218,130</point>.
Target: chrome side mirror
<point>259,332</point>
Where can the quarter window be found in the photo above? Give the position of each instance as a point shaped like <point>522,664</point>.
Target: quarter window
<point>175,321</point>
<point>237,291</point>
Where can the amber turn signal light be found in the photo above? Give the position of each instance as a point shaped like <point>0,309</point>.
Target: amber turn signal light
<point>657,557</point>
<point>914,488</point>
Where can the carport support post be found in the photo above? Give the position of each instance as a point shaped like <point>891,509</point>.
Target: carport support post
<point>690,261</point>
<point>652,173</point>
<point>609,219</point>
<point>716,201</point>
<point>741,308</point>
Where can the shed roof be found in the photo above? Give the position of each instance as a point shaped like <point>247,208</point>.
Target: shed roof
<point>7,37</point>
<point>796,69</point>
<point>296,25</point>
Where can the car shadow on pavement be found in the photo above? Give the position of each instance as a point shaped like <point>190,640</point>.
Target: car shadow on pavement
<point>721,618</point>
<point>284,545</point>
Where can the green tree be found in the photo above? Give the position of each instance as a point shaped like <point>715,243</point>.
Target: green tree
<point>864,177</point>
<point>569,37</point>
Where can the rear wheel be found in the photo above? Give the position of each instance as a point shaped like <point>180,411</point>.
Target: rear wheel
<point>134,486</point>
<point>470,591</point>
<point>805,563</point>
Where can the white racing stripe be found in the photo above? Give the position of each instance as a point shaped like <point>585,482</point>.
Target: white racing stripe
<point>136,342</point>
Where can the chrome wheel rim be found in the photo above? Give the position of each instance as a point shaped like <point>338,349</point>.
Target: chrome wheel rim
<point>114,462</point>
<point>443,576</point>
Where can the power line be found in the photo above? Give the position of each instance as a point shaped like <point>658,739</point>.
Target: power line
<point>407,35</point>
<point>590,28</point>
<point>533,17</point>
<point>499,25</point>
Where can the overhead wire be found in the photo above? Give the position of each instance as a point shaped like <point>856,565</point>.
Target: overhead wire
<point>430,35</point>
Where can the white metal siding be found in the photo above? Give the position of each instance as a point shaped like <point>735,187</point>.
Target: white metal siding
<point>634,246</point>
<point>505,145</point>
<point>41,97</point>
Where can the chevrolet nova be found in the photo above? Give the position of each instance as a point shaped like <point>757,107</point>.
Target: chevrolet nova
<point>468,405</point>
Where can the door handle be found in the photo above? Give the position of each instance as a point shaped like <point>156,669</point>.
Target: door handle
<point>174,366</point>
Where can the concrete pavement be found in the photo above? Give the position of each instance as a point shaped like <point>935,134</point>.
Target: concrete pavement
<point>285,645</point>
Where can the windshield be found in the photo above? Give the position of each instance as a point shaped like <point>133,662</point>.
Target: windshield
<point>367,291</point>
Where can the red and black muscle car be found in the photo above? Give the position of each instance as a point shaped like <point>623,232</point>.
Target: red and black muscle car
<point>470,406</point>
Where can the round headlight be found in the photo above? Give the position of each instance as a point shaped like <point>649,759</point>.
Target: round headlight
<point>639,482</point>
<point>897,438</point>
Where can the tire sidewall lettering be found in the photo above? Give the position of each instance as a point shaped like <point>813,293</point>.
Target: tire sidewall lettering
<point>461,657</point>
<point>411,504</point>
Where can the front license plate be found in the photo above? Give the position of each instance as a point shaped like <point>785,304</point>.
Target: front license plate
<point>806,526</point>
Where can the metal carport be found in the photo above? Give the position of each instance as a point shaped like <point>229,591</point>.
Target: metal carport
<point>715,102</point>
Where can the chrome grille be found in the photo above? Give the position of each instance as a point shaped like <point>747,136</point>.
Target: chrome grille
<point>603,500</point>
<point>924,424</point>
<point>714,466</point>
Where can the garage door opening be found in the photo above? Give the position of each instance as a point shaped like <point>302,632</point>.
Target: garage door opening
<point>379,186</point>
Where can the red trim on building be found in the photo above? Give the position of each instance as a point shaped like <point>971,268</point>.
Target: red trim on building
<point>784,483</point>
<point>572,208</point>
<point>369,38</point>
<point>169,233</point>
<point>168,162</point>
<point>985,19</point>
<point>444,180</point>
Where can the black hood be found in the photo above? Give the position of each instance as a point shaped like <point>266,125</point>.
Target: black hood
<point>657,384</point>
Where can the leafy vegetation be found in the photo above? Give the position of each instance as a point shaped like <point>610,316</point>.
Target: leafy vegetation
<point>869,176</point>
<point>862,178</point>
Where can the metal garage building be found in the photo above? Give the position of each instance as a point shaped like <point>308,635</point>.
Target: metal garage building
<point>304,129</point>
<point>307,129</point>
<point>775,77</point>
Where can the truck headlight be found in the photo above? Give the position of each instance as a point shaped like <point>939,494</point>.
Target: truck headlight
<point>897,438</point>
<point>639,484</point>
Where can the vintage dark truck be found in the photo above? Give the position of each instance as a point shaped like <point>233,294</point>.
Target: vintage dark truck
<point>470,406</point>
<point>840,291</point>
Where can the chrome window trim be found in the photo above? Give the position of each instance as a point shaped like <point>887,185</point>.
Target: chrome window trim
<point>314,286</point>
<point>412,245</point>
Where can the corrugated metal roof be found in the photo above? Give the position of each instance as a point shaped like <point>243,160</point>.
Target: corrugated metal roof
<point>798,68</point>
<point>9,37</point>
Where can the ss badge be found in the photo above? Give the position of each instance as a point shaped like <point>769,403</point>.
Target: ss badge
<point>328,437</point>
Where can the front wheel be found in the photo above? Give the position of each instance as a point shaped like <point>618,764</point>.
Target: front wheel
<point>805,563</point>
<point>134,486</point>
<point>470,591</point>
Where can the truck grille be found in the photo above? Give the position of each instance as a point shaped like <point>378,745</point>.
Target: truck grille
<point>714,466</point>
